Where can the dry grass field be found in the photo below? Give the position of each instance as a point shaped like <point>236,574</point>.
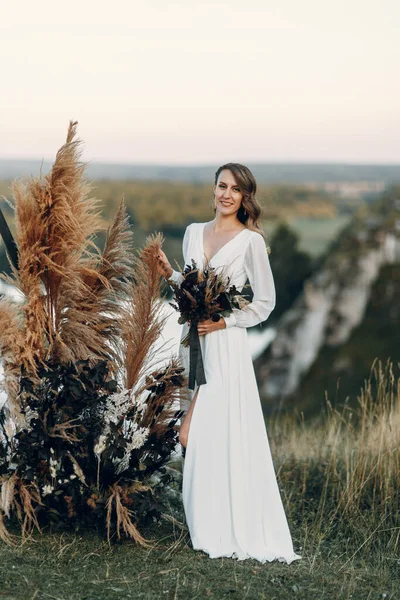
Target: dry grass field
<point>339,477</point>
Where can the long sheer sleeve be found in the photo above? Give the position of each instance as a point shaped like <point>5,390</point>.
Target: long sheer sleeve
<point>177,276</point>
<point>258,270</point>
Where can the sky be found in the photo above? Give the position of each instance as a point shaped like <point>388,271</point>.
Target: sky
<point>187,82</point>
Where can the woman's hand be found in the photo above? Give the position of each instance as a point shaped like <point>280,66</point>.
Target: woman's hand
<point>163,265</point>
<point>208,326</point>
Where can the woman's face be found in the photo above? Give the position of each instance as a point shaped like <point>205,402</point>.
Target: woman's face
<point>227,194</point>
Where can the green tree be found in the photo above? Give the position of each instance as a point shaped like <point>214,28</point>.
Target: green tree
<point>290,266</point>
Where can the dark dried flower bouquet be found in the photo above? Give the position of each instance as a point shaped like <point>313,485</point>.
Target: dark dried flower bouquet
<point>203,294</point>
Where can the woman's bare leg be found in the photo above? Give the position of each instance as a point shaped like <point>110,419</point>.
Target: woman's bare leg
<point>184,429</point>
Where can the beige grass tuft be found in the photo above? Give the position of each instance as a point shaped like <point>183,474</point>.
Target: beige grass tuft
<point>123,518</point>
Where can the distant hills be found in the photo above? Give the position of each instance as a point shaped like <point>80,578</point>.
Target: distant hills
<point>296,173</point>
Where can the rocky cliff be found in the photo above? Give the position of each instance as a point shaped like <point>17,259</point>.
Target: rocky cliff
<point>332,306</point>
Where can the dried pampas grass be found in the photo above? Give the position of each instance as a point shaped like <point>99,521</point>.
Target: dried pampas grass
<point>7,493</point>
<point>13,353</point>
<point>123,516</point>
<point>159,412</point>
<point>7,538</point>
<point>72,291</point>
<point>29,496</point>
<point>143,319</point>
<point>55,224</point>
<point>18,498</point>
<point>91,308</point>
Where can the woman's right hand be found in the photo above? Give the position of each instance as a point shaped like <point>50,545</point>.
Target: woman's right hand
<point>163,265</point>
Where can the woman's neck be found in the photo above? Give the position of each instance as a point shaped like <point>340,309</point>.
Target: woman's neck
<point>225,223</point>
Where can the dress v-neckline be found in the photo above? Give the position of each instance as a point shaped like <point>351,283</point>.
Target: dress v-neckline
<point>222,247</point>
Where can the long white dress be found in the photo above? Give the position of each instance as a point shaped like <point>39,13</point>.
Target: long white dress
<point>230,492</point>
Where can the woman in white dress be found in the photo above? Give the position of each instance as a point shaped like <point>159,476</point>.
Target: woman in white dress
<point>230,492</point>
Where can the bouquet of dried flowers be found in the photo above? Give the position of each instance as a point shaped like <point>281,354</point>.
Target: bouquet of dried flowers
<point>203,294</point>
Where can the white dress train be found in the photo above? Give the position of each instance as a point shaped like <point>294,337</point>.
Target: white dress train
<point>230,492</point>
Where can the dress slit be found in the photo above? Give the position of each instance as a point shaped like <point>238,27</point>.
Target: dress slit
<point>195,396</point>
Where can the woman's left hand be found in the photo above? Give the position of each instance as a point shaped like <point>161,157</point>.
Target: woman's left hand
<point>208,326</point>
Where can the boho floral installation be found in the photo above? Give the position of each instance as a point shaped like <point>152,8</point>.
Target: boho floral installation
<point>202,294</point>
<point>89,422</point>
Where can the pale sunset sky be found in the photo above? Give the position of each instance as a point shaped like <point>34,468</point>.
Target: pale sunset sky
<point>185,82</point>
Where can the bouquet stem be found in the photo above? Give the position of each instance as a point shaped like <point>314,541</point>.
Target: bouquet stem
<point>196,370</point>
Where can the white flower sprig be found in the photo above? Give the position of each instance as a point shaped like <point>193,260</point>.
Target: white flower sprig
<point>47,489</point>
<point>117,406</point>
<point>138,437</point>
<point>53,465</point>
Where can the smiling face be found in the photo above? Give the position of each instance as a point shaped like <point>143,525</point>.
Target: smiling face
<point>227,195</point>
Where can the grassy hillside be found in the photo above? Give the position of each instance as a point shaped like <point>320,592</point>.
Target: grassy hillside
<point>339,478</point>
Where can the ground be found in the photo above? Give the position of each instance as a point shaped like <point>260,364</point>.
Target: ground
<point>67,566</point>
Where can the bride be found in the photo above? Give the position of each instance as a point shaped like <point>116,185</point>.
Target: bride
<point>230,492</point>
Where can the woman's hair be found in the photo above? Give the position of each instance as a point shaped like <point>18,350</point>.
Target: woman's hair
<point>250,211</point>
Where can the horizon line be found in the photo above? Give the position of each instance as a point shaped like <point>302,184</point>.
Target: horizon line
<point>211,164</point>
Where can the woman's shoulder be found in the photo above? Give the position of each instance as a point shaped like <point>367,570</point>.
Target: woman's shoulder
<point>255,237</point>
<point>193,226</point>
<point>256,241</point>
